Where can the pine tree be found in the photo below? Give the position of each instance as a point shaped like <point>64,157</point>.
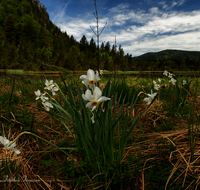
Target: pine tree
<point>92,46</point>
<point>120,58</point>
<point>83,46</point>
<point>2,41</point>
<point>73,58</point>
<point>107,48</point>
<point>72,41</point>
<point>10,29</point>
<point>102,48</point>
<point>112,52</point>
<point>43,38</point>
<point>29,33</point>
<point>18,33</point>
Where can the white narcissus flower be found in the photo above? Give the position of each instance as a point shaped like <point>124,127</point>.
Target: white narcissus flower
<point>156,86</point>
<point>150,98</point>
<point>6,142</point>
<point>184,82</point>
<point>47,105</point>
<point>54,88</point>
<point>101,72</point>
<point>40,95</point>
<point>48,84</point>
<point>165,73</point>
<point>170,75</point>
<point>159,80</point>
<point>91,78</point>
<point>173,81</point>
<point>94,99</point>
<point>51,86</point>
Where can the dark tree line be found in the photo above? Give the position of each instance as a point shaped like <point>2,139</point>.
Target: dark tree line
<point>173,64</point>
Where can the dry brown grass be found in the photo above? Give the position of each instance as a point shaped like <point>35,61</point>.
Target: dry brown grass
<point>179,158</point>
<point>31,151</point>
<point>4,89</point>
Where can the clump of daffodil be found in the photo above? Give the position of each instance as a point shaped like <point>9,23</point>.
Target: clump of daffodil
<point>170,75</point>
<point>53,87</point>
<point>91,78</point>
<point>150,97</point>
<point>93,99</point>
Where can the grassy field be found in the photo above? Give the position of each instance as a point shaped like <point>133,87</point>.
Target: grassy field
<point>161,152</point>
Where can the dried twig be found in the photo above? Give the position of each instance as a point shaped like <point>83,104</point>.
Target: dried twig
<point>97,34</point>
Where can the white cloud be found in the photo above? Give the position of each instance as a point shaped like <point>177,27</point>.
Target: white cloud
<point>120,8</point>
<point>140,31</point>
<point>60,12</point>
<point>174,4</point>
<point>181,2</point>
<point>171,5</point>
<point>154,10</point>
<point>159,30</point>
<point>178,3</point>
<point>187,41</point>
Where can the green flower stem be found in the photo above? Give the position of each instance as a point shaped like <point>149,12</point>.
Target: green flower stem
<point>26,132</point>
<point>138,97</point>
<point>60,90</point>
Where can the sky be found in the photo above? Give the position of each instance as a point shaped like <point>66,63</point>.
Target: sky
<point>139,26</point>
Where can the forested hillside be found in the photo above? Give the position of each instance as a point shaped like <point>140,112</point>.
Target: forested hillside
<point>30,41</point>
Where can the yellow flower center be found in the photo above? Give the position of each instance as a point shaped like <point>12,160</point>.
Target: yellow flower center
<point>95,103</point>
<point>92,81</point>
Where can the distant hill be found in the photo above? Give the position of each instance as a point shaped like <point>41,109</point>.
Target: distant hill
<point>171,54</point>
<point>176,60</point>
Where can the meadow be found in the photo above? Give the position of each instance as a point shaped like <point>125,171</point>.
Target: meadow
<point>124,143</point>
